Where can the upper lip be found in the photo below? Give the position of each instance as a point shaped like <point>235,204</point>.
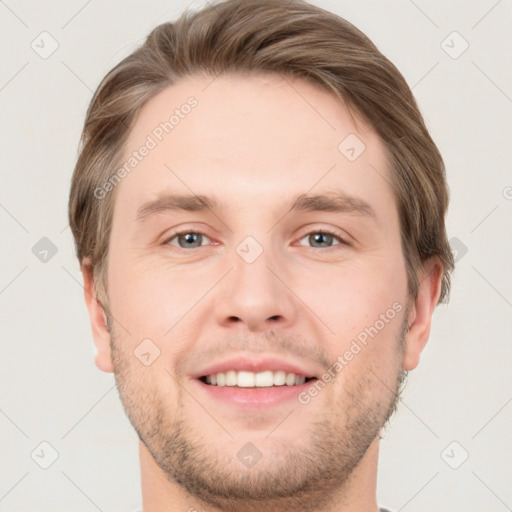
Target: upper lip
<point>253,364</point>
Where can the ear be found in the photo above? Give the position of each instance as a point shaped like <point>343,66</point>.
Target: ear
<point>98,320</point>
<point>422,309</point>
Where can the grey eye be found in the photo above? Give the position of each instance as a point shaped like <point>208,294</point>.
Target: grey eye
<point>188,240</point>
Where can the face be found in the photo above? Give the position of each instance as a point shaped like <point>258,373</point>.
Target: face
<point>253,233</point>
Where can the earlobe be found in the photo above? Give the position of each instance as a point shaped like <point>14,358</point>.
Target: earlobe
<point>98,319</point>
<point>420,315</point>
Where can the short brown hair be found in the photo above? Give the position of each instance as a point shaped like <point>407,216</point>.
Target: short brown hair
<point>290,38</point>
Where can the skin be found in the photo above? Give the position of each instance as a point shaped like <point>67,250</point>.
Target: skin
<point>253,142</point>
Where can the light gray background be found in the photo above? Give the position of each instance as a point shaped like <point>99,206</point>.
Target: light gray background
<point>52,391</point>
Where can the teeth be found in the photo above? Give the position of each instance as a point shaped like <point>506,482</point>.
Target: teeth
<point>279,378</point>
<point>299,380</point>
<point>264,379</point>
<point>231,378</point>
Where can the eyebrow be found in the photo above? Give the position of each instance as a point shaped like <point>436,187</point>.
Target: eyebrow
<point>338,202</point>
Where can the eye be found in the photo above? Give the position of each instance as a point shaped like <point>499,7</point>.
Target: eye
<point>187,239</point>
<point>193,239</point>
<point>324,239</point>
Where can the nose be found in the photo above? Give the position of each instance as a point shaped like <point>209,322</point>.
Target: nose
<point>255,296</point>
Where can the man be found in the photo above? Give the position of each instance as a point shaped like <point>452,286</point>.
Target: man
<point>258,210</point>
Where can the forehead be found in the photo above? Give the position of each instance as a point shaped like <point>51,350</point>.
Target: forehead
<point>262,136</point>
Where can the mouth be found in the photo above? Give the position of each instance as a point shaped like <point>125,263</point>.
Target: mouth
<point>252,380</point>
<point>250,391</point>
<point>247,382</point>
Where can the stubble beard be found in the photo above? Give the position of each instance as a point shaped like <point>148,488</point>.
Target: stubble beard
<point>294,477</point>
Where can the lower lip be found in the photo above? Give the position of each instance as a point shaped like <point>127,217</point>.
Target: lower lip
<point>254,397</point>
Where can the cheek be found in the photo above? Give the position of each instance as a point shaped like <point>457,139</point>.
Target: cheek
<point>362,304</point>
<point>352,295</point>
<point>135,296</point>
<point>152,298</point>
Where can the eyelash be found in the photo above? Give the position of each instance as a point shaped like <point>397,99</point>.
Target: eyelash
<point>333,233</point>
